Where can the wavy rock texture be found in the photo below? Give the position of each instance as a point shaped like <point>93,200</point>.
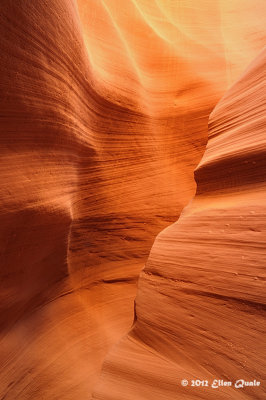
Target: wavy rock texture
<point>200,308</point>
<point>104,109</point>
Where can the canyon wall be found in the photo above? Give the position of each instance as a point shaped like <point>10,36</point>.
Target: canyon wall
<point>104,111</point>
<point>200,307</point>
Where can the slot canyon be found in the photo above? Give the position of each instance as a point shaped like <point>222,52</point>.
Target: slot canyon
<point>133,199</point>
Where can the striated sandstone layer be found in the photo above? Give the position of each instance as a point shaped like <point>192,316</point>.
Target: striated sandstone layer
<point>200,307</point>
<point>104,109</point>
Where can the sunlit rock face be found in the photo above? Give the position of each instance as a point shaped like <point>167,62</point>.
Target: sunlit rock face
<point>104,112</point>
<point>200,307</point>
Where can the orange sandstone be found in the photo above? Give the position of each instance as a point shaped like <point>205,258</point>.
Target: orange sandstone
<point>104,110</point>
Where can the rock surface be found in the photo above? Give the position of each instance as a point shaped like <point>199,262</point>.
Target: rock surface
<point>200,307</point>
<point>104,110</point>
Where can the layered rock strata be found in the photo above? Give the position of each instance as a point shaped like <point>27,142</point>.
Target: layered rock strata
<point>104,109</point>
<point>200,307</point>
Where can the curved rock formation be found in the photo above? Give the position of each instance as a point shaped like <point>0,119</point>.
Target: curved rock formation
<point>200,308</point>
<point>104,109</point>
